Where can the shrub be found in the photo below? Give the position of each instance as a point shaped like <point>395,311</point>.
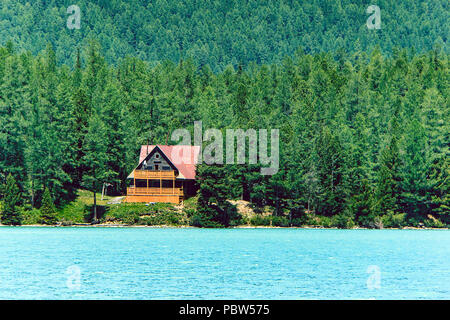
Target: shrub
<point>343,220</point>
<point>392,220</point>
<point>32,216</point>
<point>298,222</point>
<point>259,220</point>
<point>191,203</point>
<point>165,218</point>
<point>189,212</point>
<point>325,221</point>
<point>367,221</point>
<point>280,221</point>
<point>202,221</point>
<point>137,213</point>
<point>433,222</point>
<point>127,213</point>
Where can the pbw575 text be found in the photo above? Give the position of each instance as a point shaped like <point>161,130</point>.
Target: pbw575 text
<point>247,309</point>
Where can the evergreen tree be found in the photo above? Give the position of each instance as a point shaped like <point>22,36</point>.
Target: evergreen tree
<point>330,174</point>
<point>213,208</point>
<point>48,210</point>
<point>10,214</point>
<point>389,180</point>
<point>362,134</point>
<point>415,183</point>
<point>95,157</point>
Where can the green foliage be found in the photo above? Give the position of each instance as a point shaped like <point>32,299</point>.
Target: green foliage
<point>74,212</point>
<point>260,220</point>
<point>361,203</point>
<point>280,221</point>
<point>48,210</point>
<point>343,220</point>
<point>322,221</point>
<point>276,221</point>
<point>391,220</point>
<point>10,214</point>
<point>432,222</point>
<point>362,134</point>
<point>201,220</point>
<point>213,208</point>
<point>141,214</point>
<point>219,33</point>
<point>31,217</point>
<point>330,163</point>
<point>389,180</point>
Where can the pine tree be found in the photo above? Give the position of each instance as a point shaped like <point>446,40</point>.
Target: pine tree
<point>361,204</point>
<point>440,192</point>
<point>330,173</point>
<point>10,214</point>
<point>415,163</point>
<point>213,208</point>
<point>389,180</point>
<point>95,157</point>
<point>115,117</point>
<point>48,210</point>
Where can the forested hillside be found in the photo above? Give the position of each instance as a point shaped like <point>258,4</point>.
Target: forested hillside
<point>222,32</point>
<point>363,136</point>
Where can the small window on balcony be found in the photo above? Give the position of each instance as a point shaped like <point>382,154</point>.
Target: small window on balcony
<point>166,168</point>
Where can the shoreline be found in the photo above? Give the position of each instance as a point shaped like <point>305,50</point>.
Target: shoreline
<point>192,227</point>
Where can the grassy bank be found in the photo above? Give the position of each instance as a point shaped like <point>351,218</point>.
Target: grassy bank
<point>80,211</point>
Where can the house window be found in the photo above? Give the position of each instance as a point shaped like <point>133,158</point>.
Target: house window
<point>157,156</point>
<point>156,167</point>
<point>166,168</point>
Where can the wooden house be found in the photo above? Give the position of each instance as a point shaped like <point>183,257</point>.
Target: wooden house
<point>164,174</point>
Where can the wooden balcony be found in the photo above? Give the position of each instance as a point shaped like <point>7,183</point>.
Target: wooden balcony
<point>132,191</point>
<point>168,195</point>
<point>148,174</point>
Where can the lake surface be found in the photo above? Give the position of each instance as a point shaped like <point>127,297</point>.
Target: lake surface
<point>157,263</point>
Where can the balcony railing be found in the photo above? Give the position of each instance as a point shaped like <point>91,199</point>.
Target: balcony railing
<point>132,191</point>
<point>148,174</point>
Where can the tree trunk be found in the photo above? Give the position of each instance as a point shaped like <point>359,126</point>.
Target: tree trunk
<point>95,204</point>
<point>32,192</point>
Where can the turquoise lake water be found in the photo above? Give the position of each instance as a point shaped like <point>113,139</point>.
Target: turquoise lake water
<point>157,263</point>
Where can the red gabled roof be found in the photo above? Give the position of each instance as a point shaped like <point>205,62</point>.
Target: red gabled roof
<point>184,158</point>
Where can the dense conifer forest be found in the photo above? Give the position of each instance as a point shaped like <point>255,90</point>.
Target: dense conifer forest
<point>363,114</point>
<point>222,32</point>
